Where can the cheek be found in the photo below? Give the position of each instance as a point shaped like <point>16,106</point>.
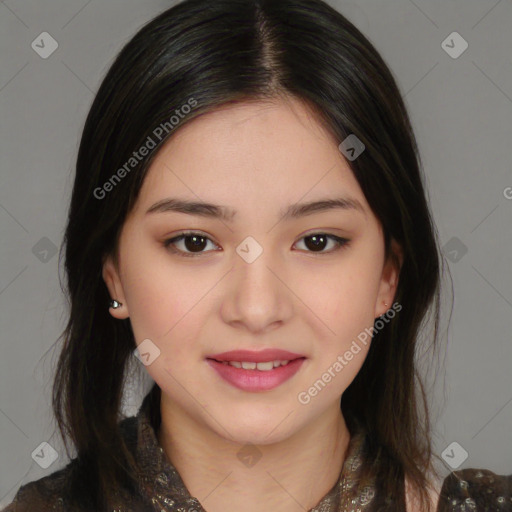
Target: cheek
<point>342,295</point>
<point>342,299</point>
<point>166,301</point>
<point>157,295</point>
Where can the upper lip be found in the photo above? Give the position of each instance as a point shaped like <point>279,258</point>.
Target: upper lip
<point>250,356</point>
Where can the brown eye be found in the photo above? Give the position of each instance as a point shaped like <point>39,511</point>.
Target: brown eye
<point>191,244</point>
<point>318,241</point>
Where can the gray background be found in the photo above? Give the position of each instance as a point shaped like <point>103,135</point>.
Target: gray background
<point>462,113</point>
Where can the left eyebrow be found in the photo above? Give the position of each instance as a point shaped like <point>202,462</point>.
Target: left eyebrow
<point>215,211</point>
<point>341,203</point>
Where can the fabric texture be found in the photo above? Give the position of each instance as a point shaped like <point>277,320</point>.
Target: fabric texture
<point>161,488</point>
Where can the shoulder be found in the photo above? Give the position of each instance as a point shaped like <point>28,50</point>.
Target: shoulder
<point>50,493</point>
<point>45,494</point>
<point>475,489</point>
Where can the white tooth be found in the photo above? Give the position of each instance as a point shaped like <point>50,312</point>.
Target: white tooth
<point>265,366</point>
<point>276,364</point>
<point>248,366</point>
<point>236,364</point>
<point>285,362</point>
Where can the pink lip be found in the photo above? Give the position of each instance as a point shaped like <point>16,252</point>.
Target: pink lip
<point>269,354</point>
<point>256,380</point>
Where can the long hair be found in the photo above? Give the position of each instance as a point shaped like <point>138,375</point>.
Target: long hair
<point>205,54</point>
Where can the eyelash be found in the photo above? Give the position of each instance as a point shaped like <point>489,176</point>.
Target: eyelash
<point>341,243</point>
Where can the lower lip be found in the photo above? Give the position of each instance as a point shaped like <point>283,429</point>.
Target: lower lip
<point>256,380</point>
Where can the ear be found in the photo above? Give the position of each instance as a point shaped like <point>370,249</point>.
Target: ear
<point>389,280</point>
<point>110,274</point>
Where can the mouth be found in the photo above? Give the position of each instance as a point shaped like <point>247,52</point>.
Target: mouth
<point>262,366</point>
<point>255,376</point>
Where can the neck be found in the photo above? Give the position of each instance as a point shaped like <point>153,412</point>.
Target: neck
<point>296,472</point>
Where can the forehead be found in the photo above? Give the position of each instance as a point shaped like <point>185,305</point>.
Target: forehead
<point>253,154</point>
<point>284,122</point>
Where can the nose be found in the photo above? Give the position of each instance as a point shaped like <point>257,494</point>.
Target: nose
<point>258,297</point>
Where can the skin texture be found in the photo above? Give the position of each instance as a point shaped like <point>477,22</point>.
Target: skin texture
<point>256,158</point>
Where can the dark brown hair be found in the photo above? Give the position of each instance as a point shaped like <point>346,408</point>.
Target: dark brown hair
<point>233,51</point>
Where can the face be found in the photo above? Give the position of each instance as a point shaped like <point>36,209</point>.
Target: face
<point>252,274</point>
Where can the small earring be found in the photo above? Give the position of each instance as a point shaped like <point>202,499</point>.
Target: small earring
<point>114,304</point>
<point>385,304</point>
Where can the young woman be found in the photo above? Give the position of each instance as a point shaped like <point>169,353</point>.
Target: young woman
<point>249,220</point>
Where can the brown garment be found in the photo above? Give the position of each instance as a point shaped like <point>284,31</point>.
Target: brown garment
<point>163,490</point>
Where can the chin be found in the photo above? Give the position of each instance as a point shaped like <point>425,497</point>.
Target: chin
<point>259,430</point>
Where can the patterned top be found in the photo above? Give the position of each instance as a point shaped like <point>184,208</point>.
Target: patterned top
<point>161,488</point>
